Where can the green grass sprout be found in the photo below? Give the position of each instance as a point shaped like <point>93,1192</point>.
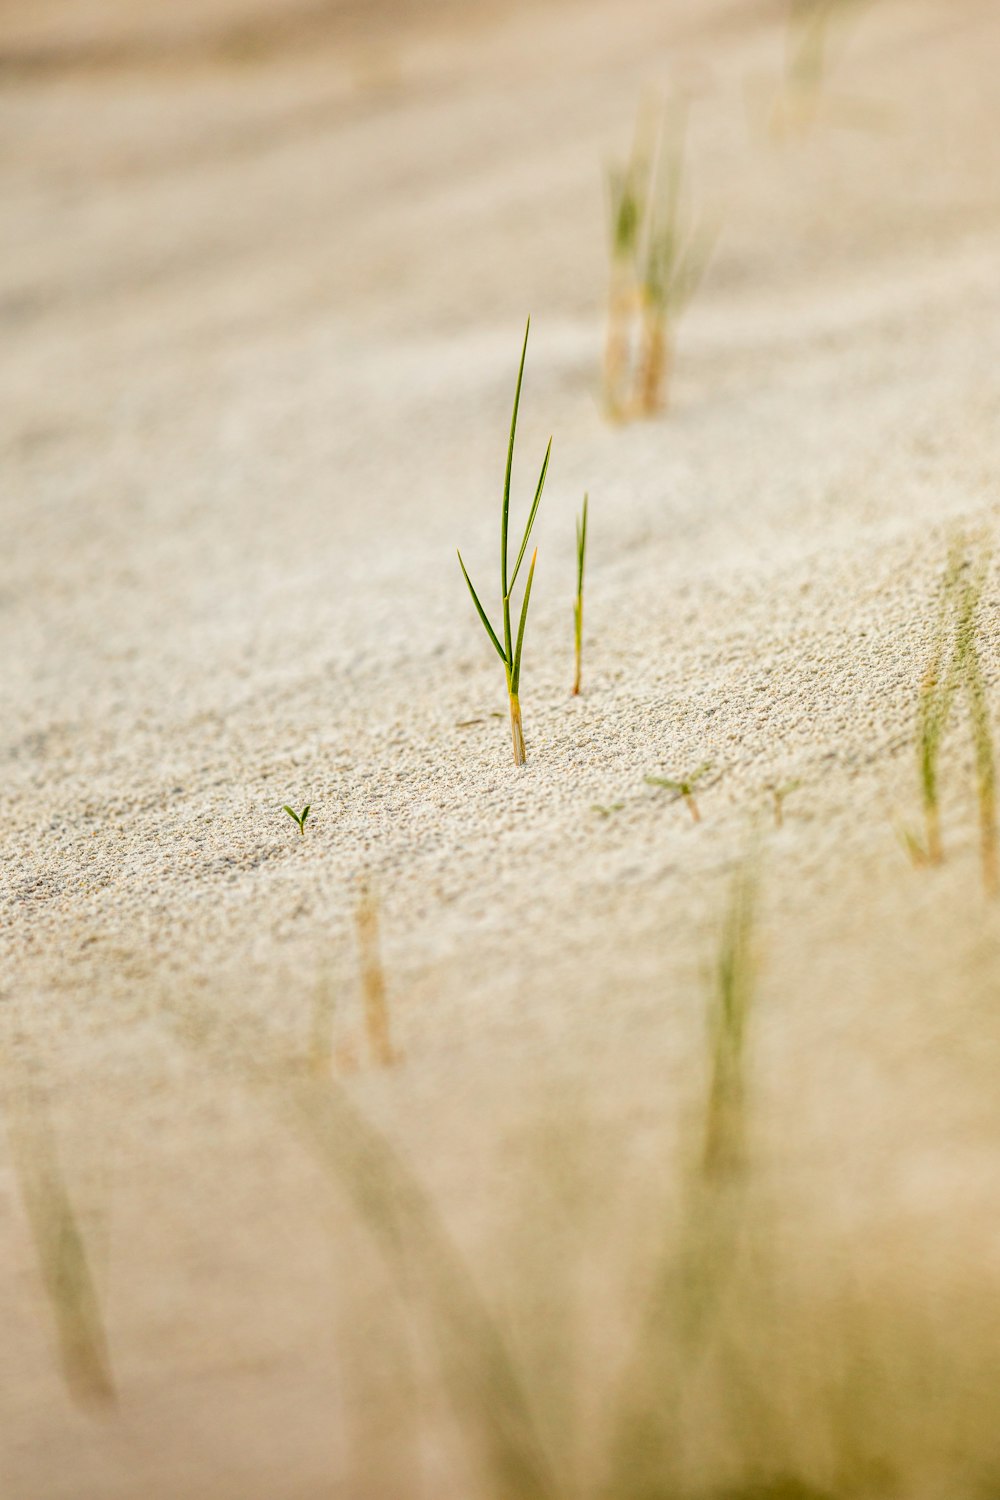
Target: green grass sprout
<point>510,652</point>
<point>604,810</point>
<point>677,256</point>
<point>684,787</point>
<point>628,201</point>
<point>299,819</point>
<point>779,791</point>
<point>815,31</point>
<point>659,254</point>
<point>581,559</point>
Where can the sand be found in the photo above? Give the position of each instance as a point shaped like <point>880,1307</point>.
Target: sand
<point>262,292</point>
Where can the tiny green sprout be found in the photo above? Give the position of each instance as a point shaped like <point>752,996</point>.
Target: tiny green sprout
<point>628,194</point>
<point>604,810</point>
<point>510,652</point>
<point>816,32</point>
<point>298,818</point>
<point>659,254</point>
<point>684,787</point>
<point>677,256</point>
<point>581,558</point>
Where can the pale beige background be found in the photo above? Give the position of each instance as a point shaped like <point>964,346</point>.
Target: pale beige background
<point>263,279</point>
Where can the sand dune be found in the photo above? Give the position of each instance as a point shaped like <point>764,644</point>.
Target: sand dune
<point>262,291</point>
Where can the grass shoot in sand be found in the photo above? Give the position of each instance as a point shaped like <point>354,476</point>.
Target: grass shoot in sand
<point>510,652</point>
<point>659,255</point>
<point>683,787</point>
<point>778,792</point>
<point>299,819</point>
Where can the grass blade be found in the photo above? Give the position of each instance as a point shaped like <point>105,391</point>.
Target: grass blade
<point>482,613</point>
<point>671,786</point>
<point>532,513</point>
<point>581,545</point>
<point>515,676</point>
<point>504,589</point>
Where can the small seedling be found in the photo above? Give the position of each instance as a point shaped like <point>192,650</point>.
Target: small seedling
<point>658,258</point>
<point>299,819</point>
<point>677,257</point>
<point>778,795</point>
<point>814,30</point>
<point>605,810</point>
<point>510,652</point>
<point>684,788</point>
<point>628,198</point>
<point>581,558</point>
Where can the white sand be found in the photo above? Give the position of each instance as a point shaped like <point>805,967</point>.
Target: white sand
<point>261,311</point>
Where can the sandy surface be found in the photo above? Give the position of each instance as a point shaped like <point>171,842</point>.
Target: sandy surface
<point>262,287</point>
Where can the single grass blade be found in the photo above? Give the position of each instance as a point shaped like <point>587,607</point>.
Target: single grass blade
<point>505,590</point>
<point>581,546</point>
<point>482,613</point>
<point>532,513</point>
<point>515,676</point>
<point>671,786</point>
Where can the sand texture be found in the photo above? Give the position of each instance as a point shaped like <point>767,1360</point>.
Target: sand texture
<point>263,283</point>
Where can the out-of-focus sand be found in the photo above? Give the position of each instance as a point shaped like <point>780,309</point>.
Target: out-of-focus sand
<point>262,286</point>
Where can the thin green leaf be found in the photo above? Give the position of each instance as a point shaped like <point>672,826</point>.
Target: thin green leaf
<point>482,613</point>
<point>510,464</point>
<point>515,677</point>
<point>671,786</point>
<point>290,813</point>
<point>581,546</point>
<point>305,812</point>
<point>531,514</point>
